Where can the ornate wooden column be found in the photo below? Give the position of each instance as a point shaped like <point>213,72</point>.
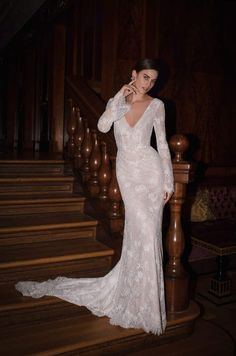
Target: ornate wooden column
<point>86,150</point>
<point>115,216</point>
<point>95,162</point>
<point>78,139</point>
<point>71,127</point>
<point>104,173</point>
<point>176,278</point>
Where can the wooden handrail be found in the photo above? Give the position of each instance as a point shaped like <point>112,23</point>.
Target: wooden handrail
<point>91,107</point>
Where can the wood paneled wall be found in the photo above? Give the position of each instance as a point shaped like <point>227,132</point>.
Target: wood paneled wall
<point>56,116</point>
<point>11,110</point>
<point>130,32</point>
<point>196,41</point>
<point>28,100</point>
<point>102,41</point>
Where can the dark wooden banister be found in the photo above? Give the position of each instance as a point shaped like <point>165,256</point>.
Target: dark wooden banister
<point>91,107</point>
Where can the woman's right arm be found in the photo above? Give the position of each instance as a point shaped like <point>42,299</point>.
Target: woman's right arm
<point>116,108</point>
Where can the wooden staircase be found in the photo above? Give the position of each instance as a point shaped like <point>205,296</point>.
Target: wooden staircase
<point>45,233</point>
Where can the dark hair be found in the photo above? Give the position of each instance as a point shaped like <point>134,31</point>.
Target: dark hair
<point>147,63</point>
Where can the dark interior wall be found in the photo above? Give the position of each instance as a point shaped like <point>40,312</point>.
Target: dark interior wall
<point>2,106</point>
<point>130,32</point>
<point>13,15</point>
<point>194,39</point>
<point>197,40</point>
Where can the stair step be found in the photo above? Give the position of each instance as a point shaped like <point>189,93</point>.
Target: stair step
<point>31,167</point>
<point>12,300</point>
<point>42,260</point>
<point>54,332</point>
<point>51,252</point>
<point>22,204</point>
<point>16,309</point>
<point>36,185</point>
<point>29,228</point>
<point>83,334</point>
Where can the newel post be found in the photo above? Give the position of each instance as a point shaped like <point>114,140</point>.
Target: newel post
<point>176,278</point>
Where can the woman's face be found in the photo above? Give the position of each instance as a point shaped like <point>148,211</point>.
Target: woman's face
<point>144,80</point>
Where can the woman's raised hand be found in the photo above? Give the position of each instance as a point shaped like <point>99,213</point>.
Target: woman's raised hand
<point>128,89</point>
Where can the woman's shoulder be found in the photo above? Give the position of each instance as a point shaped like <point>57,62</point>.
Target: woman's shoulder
<point>157,103</point>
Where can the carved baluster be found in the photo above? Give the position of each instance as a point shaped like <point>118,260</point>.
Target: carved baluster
<point>71,125</point>
<point>86,152</point>
<point>116,221</point>
<point>104,173</point>
<point>176,278</point>
<point>94,162</point>
<point>78,138</point>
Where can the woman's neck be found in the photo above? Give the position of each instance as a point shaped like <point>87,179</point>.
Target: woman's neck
<point>137,97</point>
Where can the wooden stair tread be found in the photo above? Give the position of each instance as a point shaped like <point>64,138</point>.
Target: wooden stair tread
<point>27,156</point>
<point>74,333</point>
<point>51,252</point>
<point>31,161</point>
<point>11,299</point>
<point>33,198</point>
<point>29,222</point>
<point>18,179</point>
<point>87,334</point>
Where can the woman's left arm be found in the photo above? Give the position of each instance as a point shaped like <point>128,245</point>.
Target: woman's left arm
<point>163,149</point>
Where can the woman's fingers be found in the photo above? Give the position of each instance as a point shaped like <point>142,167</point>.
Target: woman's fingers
<point>132,81</point>
<point>130,88</point>
<point>167,196</point>
<point>131,85</point>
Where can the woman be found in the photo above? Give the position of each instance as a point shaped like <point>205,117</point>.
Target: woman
<point>132,293</point>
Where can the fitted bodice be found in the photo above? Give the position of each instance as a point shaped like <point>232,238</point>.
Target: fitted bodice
<point>133,143</point>
<point>137,137</point>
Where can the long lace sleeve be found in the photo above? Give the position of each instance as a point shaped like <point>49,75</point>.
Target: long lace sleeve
<point>116,108</point>
<point>163,149</point>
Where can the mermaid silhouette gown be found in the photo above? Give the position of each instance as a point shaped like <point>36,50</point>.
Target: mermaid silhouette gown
<point>132,293</point>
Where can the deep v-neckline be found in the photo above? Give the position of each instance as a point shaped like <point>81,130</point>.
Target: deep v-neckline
<point>140,118</point>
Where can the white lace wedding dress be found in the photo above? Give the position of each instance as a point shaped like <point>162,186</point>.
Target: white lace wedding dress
<point>132,293</point>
